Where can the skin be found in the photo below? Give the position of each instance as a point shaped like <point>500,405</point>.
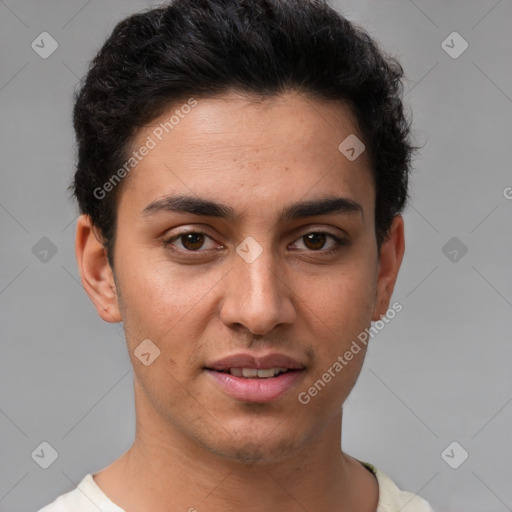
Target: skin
<point>195,446</point>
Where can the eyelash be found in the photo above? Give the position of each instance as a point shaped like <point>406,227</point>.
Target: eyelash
<point>340,243</point>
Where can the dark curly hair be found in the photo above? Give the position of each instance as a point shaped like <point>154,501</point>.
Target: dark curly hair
<point>160,57</point>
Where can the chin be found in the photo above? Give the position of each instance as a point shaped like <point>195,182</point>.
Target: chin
<point>257,438</point>
<point>258,450</point>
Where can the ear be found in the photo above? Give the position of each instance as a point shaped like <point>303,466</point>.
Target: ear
<point>390,259</point>
<point>95,272</point>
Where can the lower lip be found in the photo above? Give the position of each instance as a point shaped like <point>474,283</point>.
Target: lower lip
<point>256,390</point>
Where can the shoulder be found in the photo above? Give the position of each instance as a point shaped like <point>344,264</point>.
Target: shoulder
<point>393,499</point>
<point>86,497</point>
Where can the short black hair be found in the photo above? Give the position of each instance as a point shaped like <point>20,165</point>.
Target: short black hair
<point>162,56</point>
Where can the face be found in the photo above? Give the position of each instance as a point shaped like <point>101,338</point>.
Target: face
<point>269,256</point>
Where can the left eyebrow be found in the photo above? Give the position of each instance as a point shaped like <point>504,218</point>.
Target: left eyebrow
<point>330,205</point>
<point>325,206</point>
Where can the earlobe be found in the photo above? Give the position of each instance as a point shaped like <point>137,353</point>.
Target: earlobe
<point>390,258</point>
<point>95,272</point>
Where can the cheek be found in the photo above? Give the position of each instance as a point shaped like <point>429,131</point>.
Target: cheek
<point>166,308</point>
<point>151,291</point>
<point>340,311</point>
<point>166,304</point>
<point>339,315</point>
<point>343,301</point>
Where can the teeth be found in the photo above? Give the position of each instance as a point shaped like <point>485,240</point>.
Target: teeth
<point>251,373</point>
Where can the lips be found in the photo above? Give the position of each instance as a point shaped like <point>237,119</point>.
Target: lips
<point>274,360</point>
<point>255,379</point>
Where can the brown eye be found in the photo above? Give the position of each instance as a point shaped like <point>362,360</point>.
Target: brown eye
<point>192,241</point>
<point>318,241</point>
<point>315,241</point>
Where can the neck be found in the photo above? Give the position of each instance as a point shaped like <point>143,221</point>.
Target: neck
<point>166,470</point>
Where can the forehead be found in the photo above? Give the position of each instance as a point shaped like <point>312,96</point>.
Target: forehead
<point>254,154</point>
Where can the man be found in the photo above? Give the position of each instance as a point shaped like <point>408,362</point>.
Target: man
<point>241,171</point>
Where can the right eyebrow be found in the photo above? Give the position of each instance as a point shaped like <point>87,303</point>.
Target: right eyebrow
<point>189,204</point>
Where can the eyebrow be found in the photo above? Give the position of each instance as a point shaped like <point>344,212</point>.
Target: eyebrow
<point>330,205</point>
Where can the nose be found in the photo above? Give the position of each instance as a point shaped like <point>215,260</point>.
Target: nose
<point>257,295</point>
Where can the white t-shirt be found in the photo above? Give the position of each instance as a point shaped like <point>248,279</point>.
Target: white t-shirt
<point>88,497</point>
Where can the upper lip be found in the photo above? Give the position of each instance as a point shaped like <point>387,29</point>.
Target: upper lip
<point>274,360</point>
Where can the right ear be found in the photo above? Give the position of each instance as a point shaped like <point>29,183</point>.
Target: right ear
<point>95,272</point>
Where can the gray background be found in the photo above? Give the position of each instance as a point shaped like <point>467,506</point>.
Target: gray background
<point>438,373</point>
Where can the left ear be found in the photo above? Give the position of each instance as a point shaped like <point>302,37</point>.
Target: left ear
<point>390,259</point>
